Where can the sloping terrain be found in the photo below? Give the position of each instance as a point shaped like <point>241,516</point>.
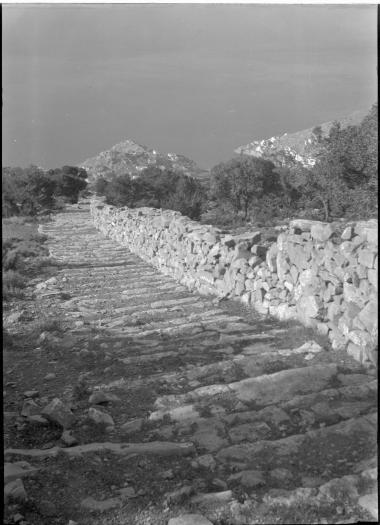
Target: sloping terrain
<point>140,402</point>
<point>298,147</point>
<point>130,158</point>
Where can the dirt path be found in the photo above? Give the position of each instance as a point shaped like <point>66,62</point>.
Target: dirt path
<point>173,403</point>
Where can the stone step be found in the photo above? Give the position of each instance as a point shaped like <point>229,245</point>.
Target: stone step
<point>263,390</point>
<point>324,446</point>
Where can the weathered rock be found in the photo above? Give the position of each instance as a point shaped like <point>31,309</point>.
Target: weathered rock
<point>30,408</point>
<point>249,479</point>
<point>321,232</point>
<point>189,519</point>
<point>208,435</point>
<point>370,503</point>
<point>15,491</point>
<point>19,469</point>
<point>281,474</point>
<point>93,505</point>
<point>206,461</point>
<point>126,493</point>
<point>308,347</point>
<point>31,394</point>
<point>130,427</point>
<point>180,495</point>
<point>99,397</point>
<point>249,432</point>
<point>59,413</point>
<point>68,439</point>
<point>100,418</point>
<point>268,389</point>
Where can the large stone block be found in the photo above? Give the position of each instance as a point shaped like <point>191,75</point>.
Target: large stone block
<point>366,257</point>
<point>353,294</point>
<point>338,340</point>
<point>208,277</point>
<point>368,230</point>
<point>282,266</point>
<point>241,253</point>
<point>321,232</point>
<point>309,306</point>
<point>298,257</point>
<point>302,224</point>
<point>360,338</point>
<point>258,250</point>
<point>271,258</point>
<point>369,315</point>
<point>248,239</point>
<point>347,233</point>
<point>372,278</point>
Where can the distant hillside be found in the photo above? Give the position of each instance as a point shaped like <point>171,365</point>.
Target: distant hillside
<point>130,158</point>
<point>299,147</point>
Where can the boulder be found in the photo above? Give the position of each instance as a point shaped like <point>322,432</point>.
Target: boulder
<point>366,258</point>
<point>19,469</point>
<point>14,491</point>
<point>100,418</point>
<point>309,307</point>
<point>132,426</point>
<point>369,315</point>
<point>368,230</point>
<point>99,397</point>
<point>370,503</point>
<point>321,231</point>
<point>249,479</point>
<point>59,413</point>
<point>93,505</point>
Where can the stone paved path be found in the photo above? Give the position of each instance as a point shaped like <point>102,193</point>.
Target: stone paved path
<point>210,404</point>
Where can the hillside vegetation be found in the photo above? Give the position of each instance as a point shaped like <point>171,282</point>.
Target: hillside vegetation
<point>130,158</point>
<point>301,146</point>
<point>341,183</point>
<point>32,191</point>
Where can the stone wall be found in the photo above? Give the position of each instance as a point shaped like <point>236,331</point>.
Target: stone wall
<point>324,275</point>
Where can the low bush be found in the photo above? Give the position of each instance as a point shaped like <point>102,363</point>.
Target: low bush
<point>46,324</point>
<point>33,191</point>
<point>13,284</point>
<point>156,188</point>
<point>23,255</point>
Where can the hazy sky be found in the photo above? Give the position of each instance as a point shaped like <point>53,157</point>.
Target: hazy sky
<point>196,80</point>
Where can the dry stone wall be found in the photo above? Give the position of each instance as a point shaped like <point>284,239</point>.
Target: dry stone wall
<point>322,274</point>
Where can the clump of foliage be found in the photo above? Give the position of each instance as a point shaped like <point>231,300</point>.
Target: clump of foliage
<point>248,189</point>
<point>30,191</point>
<point>157,188</point>
<point>342,183</point>
<point>344,180</point>
<point>13,284</point>
<point>23,254</point>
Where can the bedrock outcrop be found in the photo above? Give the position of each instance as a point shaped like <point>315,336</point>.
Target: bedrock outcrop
<point>322,274</point>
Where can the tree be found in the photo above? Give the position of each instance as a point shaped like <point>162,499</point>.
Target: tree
<point>157,188</point>
<point>69,180</point>
<point>242,181</point>
<point>344,177</point>
<point>188,198</point>
<point>36,191</point>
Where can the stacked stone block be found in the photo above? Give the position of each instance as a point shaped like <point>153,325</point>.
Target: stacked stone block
<point>322,274</point>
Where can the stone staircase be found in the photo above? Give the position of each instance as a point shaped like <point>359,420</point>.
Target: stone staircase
<point>219,411</point>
